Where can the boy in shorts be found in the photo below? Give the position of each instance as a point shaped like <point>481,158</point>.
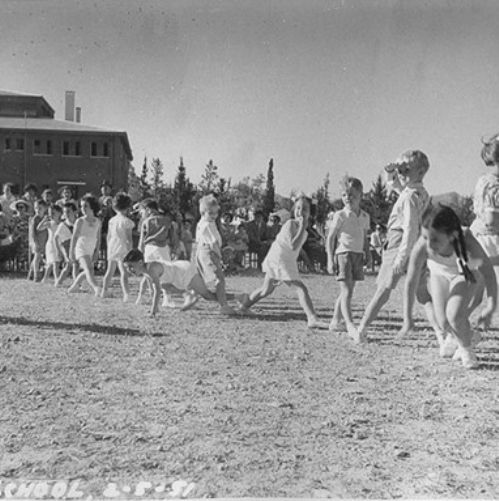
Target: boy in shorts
<point>346,247</point>
<point>404,225</point>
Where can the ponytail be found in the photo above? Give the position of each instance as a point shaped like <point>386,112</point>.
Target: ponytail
<point>462,256</point>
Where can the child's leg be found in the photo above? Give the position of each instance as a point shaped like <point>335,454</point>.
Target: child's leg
<point>111,268</point>
<point>124,280</point>
<point>142,285</point>
<point>306,303</point>
<point>77,282</point>
<point>37,259</point>
<point>265,290</point>
<point>88,269</point>
<point>346,291</point>
<point>377,302</point>
<point>46,273</point>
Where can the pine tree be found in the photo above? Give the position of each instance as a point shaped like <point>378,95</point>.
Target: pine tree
<point>144,185</point>
<point>323,204</point>
<point>157,183</point>
<point>209,179</point>
<point>380,203</point>
<point>269,199</point>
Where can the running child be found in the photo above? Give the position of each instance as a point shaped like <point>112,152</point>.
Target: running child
<point>63,236</point>
<point>119,243</point>
<point>458,269</point>
<point>403,231</point>
<point>37,239</point>
<point>52,254</point>
<point>346,247</point>
<point>85,243</point>
<point>485,227</point>
<point>174,276</point>
<point>209,251</point>
<point>280,265</point>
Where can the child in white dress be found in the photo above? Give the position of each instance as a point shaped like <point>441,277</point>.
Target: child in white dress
<point>119,243</point>
<point>280,264</point>
<point>63,236</point>
<point>85,243</point>
<point>458,270</point>
<point>52,254</point>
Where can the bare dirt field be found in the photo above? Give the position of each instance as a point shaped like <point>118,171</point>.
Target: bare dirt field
<point>250,406</point>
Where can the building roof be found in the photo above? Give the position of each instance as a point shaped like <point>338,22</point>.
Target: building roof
<point>52,125</point>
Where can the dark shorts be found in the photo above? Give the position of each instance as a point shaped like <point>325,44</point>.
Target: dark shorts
<point>350,266</point>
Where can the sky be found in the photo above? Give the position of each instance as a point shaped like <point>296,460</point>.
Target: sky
<point>319,86</point>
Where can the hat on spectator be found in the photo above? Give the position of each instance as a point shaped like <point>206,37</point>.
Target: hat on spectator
<point>16,203</point>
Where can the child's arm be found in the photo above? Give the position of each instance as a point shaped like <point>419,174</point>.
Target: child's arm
<point>295,240</point>
<point>74,238</point>
<point>43,224</point>
<point>475,251</point>
<point>141,244</point>
<point>410,233</point>
<point>331,243</point>
<point>149,238</point>
<point>416,262</point>
<point>97,243</point>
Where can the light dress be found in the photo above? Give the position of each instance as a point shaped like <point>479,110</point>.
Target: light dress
<point>209,262</point>
<point>52,253</point>
<point>178,273</point>
<point>281,260</point>
<point>117,244</point>
<point>87,240</point>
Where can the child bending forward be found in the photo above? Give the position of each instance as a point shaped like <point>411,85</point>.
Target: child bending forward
<point>458,268</point>
<point>280,264</point>
<point>173,276</point>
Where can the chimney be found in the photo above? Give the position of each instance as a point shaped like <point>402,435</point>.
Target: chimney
<point>70,106</point>
<point>78,114</point>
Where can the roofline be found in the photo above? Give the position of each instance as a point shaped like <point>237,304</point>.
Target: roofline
<point>29,96</point>
<point>121,134</point>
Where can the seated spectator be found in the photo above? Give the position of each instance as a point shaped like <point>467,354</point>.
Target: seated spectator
<point>48,197</point>
<point>376,242</point>
<point>105,192</point>
<point>20,227</point>
<point>6,199</point>
<point>31,196</point>
<point>258,239</point>
<point>314,250</point>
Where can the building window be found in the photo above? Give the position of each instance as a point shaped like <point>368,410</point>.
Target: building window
<point>65,148</point>
<point>37,147</point>
<point>105,150</point>
<point>19,144</point>
<point>49,147</point>
<point>7,144</point>
<point>93,149</point>
<point>77,149</point>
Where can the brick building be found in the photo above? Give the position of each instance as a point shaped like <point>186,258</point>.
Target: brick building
<point>36,148</point>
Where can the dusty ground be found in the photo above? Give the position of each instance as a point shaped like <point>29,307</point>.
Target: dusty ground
<point>241,407</point>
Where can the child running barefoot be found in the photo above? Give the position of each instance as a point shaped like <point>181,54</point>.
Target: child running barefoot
<point>63,236</point>
<point>175,276</point>
<point>458,268</point>
<point>85,243</point>
<point>209,251</point>
<point>52,254</point>
<point>346,246</point>
<point>119,243</point>
<point>280,264</point>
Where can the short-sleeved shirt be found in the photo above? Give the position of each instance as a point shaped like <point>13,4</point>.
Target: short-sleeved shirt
<point>152,225</point>
<point>485,198</point>
<point>64,232</point>
<point>350,230</point>
<point>118,244</point>
<point>207,233</point>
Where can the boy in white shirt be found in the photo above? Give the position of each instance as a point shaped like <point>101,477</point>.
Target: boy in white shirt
<point>346,247</point>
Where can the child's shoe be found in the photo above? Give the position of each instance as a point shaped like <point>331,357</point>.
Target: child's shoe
<point>475,339</point>
<point>315,323</point>
<point>468,358</point>
<point>190,299</point>
<point>227,310</point>
<point>449,346</point>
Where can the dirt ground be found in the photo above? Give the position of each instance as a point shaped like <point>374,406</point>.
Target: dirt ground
<point>253,406</point>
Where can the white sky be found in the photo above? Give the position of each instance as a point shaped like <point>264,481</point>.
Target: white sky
<point>320,86</point>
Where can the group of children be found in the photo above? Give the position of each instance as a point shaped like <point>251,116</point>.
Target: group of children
<point>448,268</point>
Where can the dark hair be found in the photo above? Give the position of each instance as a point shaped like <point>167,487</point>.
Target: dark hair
<point>444,219</point>
<point>92,201</point>
<point>122,201</point>
<point>41,201</point>
<point>56,208</point>
<point>150,203</point>
<point>352,182</point>
<point>229,216</point>
<point>70,205</point>
<point>490,150</point>
<point>65,187</point>
<point>31,186</point>
<point>133,256</point>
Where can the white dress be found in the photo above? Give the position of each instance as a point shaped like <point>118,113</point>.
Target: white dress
<point>51,251</point>
<point>117,244</point>
<point>178,273</point>
<point>87,240</point>
<point>281,260</point>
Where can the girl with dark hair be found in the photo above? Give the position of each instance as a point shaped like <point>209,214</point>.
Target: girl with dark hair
<point>85,242</point>
<point>459,269</point>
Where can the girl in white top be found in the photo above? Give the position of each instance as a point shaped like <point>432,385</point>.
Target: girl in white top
<point>119,243</point>
<point>52,254</point>
<point>209,251</point>
<point>280,264</point>
<point>85,243</point>
<point>459,269</point>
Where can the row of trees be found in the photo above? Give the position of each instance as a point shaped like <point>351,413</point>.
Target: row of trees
<point>182,195</point>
